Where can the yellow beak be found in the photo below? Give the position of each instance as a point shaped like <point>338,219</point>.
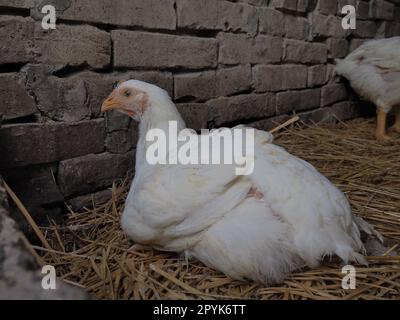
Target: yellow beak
<point>109,104</point>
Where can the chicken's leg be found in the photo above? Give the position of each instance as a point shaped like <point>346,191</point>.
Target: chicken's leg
<point>396,125</point>
<point>381,128</point>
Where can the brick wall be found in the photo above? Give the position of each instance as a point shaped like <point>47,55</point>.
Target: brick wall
<point>223,62</point>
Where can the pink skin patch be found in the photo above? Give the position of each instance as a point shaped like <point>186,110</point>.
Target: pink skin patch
<point>255,193</point>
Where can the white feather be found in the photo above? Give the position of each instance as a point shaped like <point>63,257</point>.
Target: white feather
<point>205,211</point>
<point>374,71</point>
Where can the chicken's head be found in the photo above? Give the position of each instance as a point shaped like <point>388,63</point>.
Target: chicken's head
<point>132,97</point>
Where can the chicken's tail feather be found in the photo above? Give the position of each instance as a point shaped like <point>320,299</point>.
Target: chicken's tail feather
<point>367,228</point>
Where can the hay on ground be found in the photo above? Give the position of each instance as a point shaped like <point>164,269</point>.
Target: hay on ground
<point>91,251</point>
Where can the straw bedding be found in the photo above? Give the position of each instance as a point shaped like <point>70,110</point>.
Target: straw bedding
<point>90,250</point>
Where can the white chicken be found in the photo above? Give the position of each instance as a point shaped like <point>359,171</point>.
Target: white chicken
<point>374,72</point>
<point>262,226</point>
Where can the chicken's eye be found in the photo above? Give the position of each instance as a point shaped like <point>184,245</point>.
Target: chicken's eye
<point>127,93</point>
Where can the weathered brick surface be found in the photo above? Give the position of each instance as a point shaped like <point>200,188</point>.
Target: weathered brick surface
<point>122,141</point>
<point>278,78</point>
<point>90,201</point>
<point>85,174</point>
<point>15,101</point>
<point>333,93</point>
<point>365,29</point>
<point>25,144</point>
<point>17,36</point>
<point>271,22</point>
<point>196,14</point>
<point>226,110</point>
<point>327,26</point>
<point>343,110</point>
<point>217,15</point>
<point>297,100</point>
<point>327,7</point>
<point>210,84</point>
<point>23,41</point>
<point>222,61</point>
<point>144,49</point>
<point>116,121</point>
<point>242,49</point>
<point>285,5</point>
<point>237,17</point>
<point>196,115</point>
<point>35,184</point>
<point>199,85</point>
<point>297,28</point>
<point>24,4</point>
<point>73,45</point>
<point>80,96</point>
<point>383,10</point>
<point>338,48</point>
<point>316,75</point>
<point>154,14</point>
<point>233,80</point>
<point>363,12</point>
<point>298,51</point>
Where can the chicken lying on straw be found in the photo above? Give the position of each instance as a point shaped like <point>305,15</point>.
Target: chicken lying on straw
<point>91,251</point>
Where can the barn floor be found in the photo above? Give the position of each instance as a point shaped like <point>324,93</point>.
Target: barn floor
<point>91,252</point>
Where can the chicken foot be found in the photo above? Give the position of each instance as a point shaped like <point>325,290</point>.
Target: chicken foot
<point>381,135</point>
<point>396,125</point>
